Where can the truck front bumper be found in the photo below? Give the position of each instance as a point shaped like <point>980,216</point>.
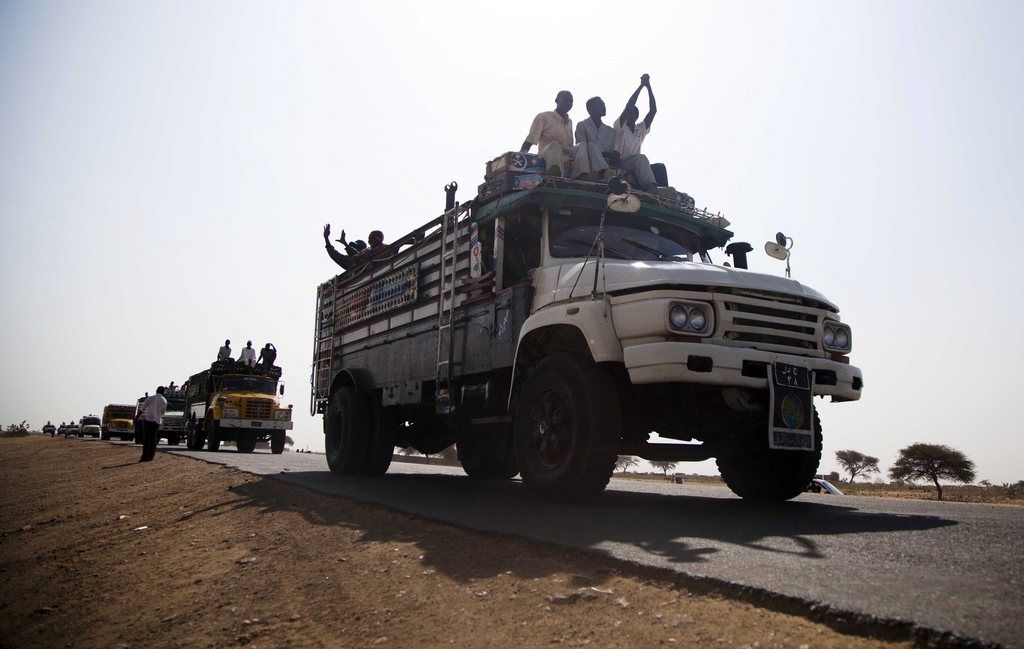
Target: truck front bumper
<point>256,424</point>
<point>707,364</point>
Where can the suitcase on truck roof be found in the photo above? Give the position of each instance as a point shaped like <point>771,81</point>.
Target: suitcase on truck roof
<point>514,161</point>
<point>507,182</point>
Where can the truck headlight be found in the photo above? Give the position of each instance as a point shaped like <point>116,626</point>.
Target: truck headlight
<point>836,337</point>
<point>230,413</point>
<point>689,317</point>
<point>281,415</point>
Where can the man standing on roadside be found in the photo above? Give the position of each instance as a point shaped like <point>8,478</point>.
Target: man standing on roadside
<point>152,413</point>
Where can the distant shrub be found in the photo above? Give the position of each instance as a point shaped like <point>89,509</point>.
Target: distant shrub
<point>15,430</point>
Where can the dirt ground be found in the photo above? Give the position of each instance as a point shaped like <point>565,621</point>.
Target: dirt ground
<point>100,551</point>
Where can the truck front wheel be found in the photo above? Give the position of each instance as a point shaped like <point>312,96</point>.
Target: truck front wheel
<point>488,454</point>
<point>567,428</point>
<point>347,432</point>
<point>769,475</point>
<point>277,442</point>
<point>245,443</point>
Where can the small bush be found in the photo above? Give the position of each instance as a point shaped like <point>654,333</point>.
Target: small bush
<point>15,430</point>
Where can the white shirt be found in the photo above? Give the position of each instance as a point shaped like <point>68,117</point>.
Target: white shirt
<point>628,142</point>
<point>247,356</point>
<point>153,408</point>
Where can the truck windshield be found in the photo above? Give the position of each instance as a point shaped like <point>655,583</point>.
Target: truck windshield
<point>175,404</point>
<point>248,384</point>
<point>626,236</point>
<point>122,413</point>
<point>90,421</point>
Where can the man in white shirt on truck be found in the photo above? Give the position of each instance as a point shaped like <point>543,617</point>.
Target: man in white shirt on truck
<point>248,355</point>
<point>630,134</point>
<point>551,131</point>
<point>151,412</point>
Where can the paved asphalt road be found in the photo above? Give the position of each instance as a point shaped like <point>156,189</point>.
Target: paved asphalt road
<point>949,567</point>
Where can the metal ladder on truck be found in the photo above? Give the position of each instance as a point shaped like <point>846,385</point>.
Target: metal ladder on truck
<point>446,301</point>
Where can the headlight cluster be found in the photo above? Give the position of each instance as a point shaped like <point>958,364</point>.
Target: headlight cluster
<point>281,415</point>
<point>836,337</point>
<point>230,413</point>
<point>691,318</point>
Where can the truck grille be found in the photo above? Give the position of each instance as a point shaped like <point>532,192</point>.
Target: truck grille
<point>770,324</point>
<point>257,409</point>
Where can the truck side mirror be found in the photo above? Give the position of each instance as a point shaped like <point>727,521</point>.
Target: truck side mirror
<point>280,389</point>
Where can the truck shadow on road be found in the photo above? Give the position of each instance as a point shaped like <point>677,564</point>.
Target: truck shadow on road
<point>661,531</point>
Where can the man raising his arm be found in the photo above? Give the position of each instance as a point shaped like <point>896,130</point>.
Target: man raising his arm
<point>629,136</point>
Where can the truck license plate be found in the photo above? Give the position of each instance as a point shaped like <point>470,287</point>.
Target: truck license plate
<point>257,424</point>
<point>791,423</point>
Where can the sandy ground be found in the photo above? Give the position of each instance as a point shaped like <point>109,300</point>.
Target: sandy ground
<point>100,551</point>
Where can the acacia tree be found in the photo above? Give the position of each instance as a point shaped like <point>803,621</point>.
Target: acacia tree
<point>856,463</point>
<point>664,465</point>
<point>932,461</point>
<point>624,463</point>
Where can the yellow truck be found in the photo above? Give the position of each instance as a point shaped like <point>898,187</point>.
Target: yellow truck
<point>234,402</point>
<point>118,421</point>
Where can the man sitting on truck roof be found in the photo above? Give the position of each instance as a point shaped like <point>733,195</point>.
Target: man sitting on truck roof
<point>248,355</point>
<point>596,142</point>
<point>268,355</point>
<point>629,136</point>
<point>224,354</point>
<point>551,131</point>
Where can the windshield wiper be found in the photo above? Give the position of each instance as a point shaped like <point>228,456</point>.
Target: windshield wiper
<point>653,251</point>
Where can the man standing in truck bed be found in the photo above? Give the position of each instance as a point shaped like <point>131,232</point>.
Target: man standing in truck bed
<point>152,412</point>
<point>551,131</point>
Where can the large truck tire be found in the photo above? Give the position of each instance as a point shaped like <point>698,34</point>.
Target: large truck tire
<point>212,429</point>
<point>769,475</point>
<point>193,435</point>
<point>245,443</point>
<point>488,454</point>
<point>381,446</point>
<point>347,432</point>
<point>568,427</point>
<point>104,435</point>
<point>277,442</point>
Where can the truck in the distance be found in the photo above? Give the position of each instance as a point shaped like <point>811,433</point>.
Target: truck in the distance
<point>231,401</point>
<point>90,425</point>
<point>550,325</point>
<point>118,421</point>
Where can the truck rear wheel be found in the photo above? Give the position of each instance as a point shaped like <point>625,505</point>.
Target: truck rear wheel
<point>213,435</point>
<point>567,428</point>
<point>104,435</point>
<point>347,432</point>
<point>194,435</point>
<point>381,446</point>
<point>488,454</point>
<point>277,442</point>
<point>245,443</point>
<point>769,475</point>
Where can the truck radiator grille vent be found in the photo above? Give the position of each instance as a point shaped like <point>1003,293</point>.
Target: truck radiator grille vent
<point>257,409</point>
<point>767,324</point>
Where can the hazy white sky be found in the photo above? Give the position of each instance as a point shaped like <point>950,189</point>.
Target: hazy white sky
<point>166,169</point>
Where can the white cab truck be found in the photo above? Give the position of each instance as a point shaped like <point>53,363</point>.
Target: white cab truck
<point>546,331</point>
<point>89,425</point>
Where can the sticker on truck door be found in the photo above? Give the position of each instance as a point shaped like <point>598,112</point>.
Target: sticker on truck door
<point>791,423</point>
